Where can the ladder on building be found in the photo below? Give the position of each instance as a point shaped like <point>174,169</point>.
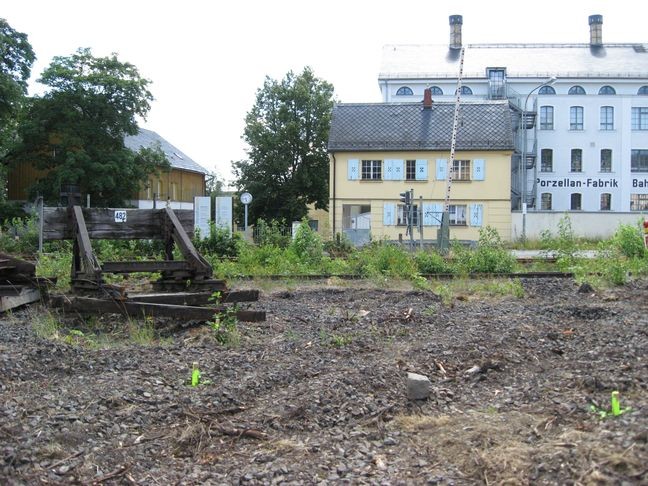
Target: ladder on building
<point>443,235</point>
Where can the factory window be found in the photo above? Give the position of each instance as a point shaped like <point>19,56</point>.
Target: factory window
<point>547,90</point>
<point>576,201</point>
<point>546,118</point>
<point>577,160</point>
<point>607,118</point>
<point>436,91</point>
<point>404,91</point>
<point>371,170</point>
<point>546,160</point>
<point>606,201</point>
<point>638,202</point>
<point>576,90</point>
<point>606,160</point>
<point>643,90</point>
<point>545,201</point>
<point>639,160</point>
<point>576,118</point>
<point>640,118</point>
<point>465,90</point>
<point>607,90</point>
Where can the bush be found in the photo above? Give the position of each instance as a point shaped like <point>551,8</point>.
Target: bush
<point>489,257</point>
<point>20,236</point>
<point>628,241</point>
<point>218,243</point>
<point>340,247</point>
<point>307,244</point>
<point>431,262</point>
<point>383,259</point>
<point>271,234</point>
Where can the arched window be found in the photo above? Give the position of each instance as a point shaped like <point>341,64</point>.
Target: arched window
<point>436,91</point>
<point>404,91</point>
<point>576,90</point>
<point>643,90</point>
<point>465,90</point>
<point>547,90</point>
<point>607,90</point>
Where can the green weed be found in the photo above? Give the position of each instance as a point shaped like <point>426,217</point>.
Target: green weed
<point>225,327</point>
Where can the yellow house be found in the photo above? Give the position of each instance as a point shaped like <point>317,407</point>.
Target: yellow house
<point>378,151</point>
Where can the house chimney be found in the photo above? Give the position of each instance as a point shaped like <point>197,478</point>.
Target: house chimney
<point>455,31</point>
<point>596,30</point>
<point>427,99</point>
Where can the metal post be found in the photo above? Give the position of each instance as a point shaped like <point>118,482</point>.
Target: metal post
<point>410,223</point>
<point>246,218</point>
<point>87,200</point>
<point>420,220</point>
<point>41,214</point>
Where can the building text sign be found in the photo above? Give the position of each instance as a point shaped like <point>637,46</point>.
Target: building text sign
<point>569,183</point>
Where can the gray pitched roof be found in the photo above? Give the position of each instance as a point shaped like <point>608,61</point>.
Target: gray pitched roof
<point>520,60</point>
<point>177,159</point>
<point>483,125</point>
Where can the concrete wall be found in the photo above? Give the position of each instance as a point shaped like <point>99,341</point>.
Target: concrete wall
<point>585,224</point>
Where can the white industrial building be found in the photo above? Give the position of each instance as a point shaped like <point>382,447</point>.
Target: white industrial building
<point>580,115</point>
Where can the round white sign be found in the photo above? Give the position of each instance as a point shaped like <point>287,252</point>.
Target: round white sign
<point>246,198</point>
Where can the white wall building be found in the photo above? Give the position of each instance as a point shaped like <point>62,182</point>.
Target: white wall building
<point>585,146</point>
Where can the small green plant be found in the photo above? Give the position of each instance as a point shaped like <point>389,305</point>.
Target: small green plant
<point>615,407</point>
<point>225,327</point>
<point>75,337</point>
<point>46,326</point>
<point>142,332</point>
<point>445,293</point>
<point>307,244</point>
<point>195,374</point>
<point>628,241</point>
<point>340,247</point>
<point>340,340</point>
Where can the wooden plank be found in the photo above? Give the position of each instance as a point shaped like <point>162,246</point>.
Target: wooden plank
<point>144,266</point>
<point>196,298</point>
<point>92,269</point>
<point>10,263</point>
<point>100,222</point>
<point>181,238</point>
<point>209,285</point>
<point>91,305</point>
<point>27,296</point>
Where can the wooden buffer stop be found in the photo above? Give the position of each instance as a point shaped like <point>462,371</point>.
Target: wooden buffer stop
<point>184,288</point>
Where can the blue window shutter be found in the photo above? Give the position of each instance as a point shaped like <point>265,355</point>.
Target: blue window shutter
<point>398,169</point>
<point>476,214</point>
<point>353,169</point>
<point>421,170</point>
<point>479,169</point>
<point>389,214</point>
<point>441,169</point>
<point>388,171</point>
<point>428,213</point>
<point>437,212</point>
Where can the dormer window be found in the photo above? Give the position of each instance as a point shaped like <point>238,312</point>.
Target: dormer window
<point>465,90</point>
<point>404,91</point>
<point>547,90</point>
<point>643,91</point>
<point>576,90</point>
<point>607,90</point>
<point>436,91</point>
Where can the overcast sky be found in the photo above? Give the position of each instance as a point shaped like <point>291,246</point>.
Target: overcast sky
<point>207,58</point>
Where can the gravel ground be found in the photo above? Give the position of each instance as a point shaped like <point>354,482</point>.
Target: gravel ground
<point>317,393</point>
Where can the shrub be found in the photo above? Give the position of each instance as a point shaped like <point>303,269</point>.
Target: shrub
<point>381,258</point>
<point>489,257</point>
<point>20,236</point>
<point>628,241</point>
<point>307,244</point>
<point>218,242</point>
<point>431,262</point>
<point>340,247</point>
<point>272,233</point>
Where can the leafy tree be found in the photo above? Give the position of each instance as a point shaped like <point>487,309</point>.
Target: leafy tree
<point>287,132</point>
<point>16,59</point>
<point>75,132</point>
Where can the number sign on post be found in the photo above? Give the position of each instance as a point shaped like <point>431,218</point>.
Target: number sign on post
<point>120,216</point>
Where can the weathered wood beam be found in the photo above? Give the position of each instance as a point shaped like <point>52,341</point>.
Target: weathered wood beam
<point>186,247</point>
<point>27,295</point>
<point>196,298</point>
<point>140,309</point>
<point>100,223</point>
<point>144,266</point>
<point>168,285</point>
<point>90,267</point>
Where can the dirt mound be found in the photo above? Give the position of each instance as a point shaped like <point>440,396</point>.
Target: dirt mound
<point>317,393</point>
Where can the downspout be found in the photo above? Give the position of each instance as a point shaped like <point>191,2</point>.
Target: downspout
<point>334,192</point>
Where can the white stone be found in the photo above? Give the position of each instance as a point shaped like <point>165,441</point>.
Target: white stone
<point>418,386</point>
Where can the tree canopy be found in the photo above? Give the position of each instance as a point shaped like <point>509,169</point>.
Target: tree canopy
<point>16,59</point>
<point>75,132</point>
<point>287,133</point>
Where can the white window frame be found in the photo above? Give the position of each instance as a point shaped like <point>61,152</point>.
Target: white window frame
<point>372,169</point>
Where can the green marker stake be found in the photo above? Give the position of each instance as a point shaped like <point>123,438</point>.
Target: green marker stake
<point>616,406</point>
<point>195,374</point>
